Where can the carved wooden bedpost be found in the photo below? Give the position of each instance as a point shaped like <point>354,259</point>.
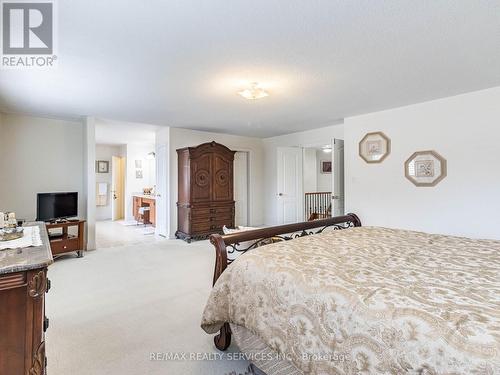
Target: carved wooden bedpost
<point>258,237</point>
<point>223,339</point>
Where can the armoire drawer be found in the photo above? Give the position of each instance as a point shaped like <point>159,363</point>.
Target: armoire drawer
<point>202,227</point>
<point>210,211</point>
<point>226,218</point>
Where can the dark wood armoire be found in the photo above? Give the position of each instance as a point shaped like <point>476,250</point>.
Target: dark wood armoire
<point>205,190</point>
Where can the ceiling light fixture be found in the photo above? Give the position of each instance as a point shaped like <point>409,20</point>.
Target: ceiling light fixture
<point>327,149</point>
<point>254,92</point>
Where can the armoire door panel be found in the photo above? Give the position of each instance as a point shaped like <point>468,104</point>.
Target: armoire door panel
<point>201,177</point>
<point>222,179</point>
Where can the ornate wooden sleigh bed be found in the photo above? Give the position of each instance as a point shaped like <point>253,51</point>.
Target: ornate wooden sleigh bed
<point>361,300</point>
<point>231,244</point>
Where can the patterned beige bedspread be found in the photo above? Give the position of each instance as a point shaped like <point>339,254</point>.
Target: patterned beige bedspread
<point>369,300</point>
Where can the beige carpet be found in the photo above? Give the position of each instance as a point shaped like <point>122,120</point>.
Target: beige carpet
<point>111,309</point>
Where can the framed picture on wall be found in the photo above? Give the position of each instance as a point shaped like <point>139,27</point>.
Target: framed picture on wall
<point>326,166</point>
<point>425,168</point>
<point>138,164</point>
<point>374,147</point>
<point>138,173</point>
<point>102,166</point>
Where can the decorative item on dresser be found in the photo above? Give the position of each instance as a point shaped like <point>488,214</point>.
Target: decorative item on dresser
<point>205,190</point>
<point>23,284</point>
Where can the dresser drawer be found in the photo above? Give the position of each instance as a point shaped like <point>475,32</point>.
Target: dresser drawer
<point>226,218</point>
<point>211,211</point>
<point>64,246</point>
<point>210,226</point>
<point>204,227</point>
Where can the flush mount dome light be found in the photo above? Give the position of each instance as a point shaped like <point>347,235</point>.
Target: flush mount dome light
<point>327,149</point>
<point>254,92</point>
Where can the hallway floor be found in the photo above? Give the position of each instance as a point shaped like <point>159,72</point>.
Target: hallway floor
<point>119,233</point>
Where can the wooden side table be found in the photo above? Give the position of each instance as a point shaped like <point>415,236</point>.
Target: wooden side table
<point>66,242</point>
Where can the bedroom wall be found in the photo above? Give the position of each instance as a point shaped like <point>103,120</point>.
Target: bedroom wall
<point>465,130</point>
<point>39,155</point>
<point>179,138</point>
<point>308,138</point>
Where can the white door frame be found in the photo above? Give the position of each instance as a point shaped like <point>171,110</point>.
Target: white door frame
<point>250,192</point>
<point>338,182</point>
<point>162,192</point>
<point>247,164</point>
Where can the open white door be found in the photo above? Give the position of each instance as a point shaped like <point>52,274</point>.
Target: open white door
<point>289,194</point>
<point>117,187</point>
<point>338,208</point>
<point>161,228</point>
<point>241,188</point>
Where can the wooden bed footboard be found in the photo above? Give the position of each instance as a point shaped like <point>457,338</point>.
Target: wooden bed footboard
<point>241,242</point>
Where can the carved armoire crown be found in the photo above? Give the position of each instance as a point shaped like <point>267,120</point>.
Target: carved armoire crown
<point>205,190</point>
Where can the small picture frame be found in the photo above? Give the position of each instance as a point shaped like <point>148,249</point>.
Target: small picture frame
<point>326,167</point>
<point>425,168</point>
<point>138,164</point>
<point>138,173</point>
<point>102,166</point>
<point>374,147</point>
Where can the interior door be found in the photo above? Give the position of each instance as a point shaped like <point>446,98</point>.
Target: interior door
<point>289,194</point>
<point>161,228</point>
<point>338,197</point>
<point>241,188</point>
<point>117,187</point>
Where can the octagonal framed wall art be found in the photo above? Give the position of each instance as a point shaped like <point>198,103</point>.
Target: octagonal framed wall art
<point>374,147</point>
<point>425,168</point>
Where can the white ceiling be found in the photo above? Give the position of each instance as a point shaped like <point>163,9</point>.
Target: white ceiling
<point>109,132</point>
<point>180,63</point>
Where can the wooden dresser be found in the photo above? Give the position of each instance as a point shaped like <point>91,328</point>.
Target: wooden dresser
<point>205,190</point>
<point>23,284</point>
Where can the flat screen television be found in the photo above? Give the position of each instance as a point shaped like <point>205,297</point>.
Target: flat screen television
<point>56,206</point>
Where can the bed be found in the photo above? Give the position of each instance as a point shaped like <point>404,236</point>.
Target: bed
<point>333,297</point>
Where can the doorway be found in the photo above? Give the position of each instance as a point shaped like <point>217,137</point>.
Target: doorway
<point>117,187</point>
<point>310,182</point>
<point>125,194</point>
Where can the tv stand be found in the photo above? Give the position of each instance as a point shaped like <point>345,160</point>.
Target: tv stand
<point>66,242</point>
